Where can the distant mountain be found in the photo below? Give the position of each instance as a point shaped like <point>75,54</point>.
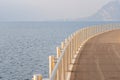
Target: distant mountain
<point>109,12</point>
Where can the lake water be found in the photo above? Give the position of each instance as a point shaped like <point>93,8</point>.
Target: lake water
<point>25,46</point>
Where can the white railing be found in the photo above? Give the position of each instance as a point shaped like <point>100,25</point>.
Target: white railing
<point>60,66</point>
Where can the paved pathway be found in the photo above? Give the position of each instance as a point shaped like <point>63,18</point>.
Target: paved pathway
<point>99,58</point>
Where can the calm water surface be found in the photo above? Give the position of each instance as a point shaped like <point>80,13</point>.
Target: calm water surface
<point>25,46</point>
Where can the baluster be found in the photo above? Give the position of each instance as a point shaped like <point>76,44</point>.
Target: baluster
<point>59,68</point>
<point>37,77</point>
<point>51,64</point>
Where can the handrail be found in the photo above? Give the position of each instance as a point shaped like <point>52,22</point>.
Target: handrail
<point>70,48</point>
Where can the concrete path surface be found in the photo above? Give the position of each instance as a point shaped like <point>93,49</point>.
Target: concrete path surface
<point>99,58</point>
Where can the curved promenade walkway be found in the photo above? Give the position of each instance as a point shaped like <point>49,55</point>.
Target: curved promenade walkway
<point>99,58</point>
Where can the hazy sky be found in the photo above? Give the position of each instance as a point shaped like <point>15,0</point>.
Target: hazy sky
<point>42,10</point>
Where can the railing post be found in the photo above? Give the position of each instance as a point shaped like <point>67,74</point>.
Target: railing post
<point>73,45</point>
<point>51,64</point>
<point>62,45</point>
<point>78,38</point>
<point>71,48</point>
<point>75,42</point>
<point>59,70</point>
<point>84,34</point>
<point>66,57</point>
<point>37,77</point>
<point>58,52</point>
<point>63,63</point>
